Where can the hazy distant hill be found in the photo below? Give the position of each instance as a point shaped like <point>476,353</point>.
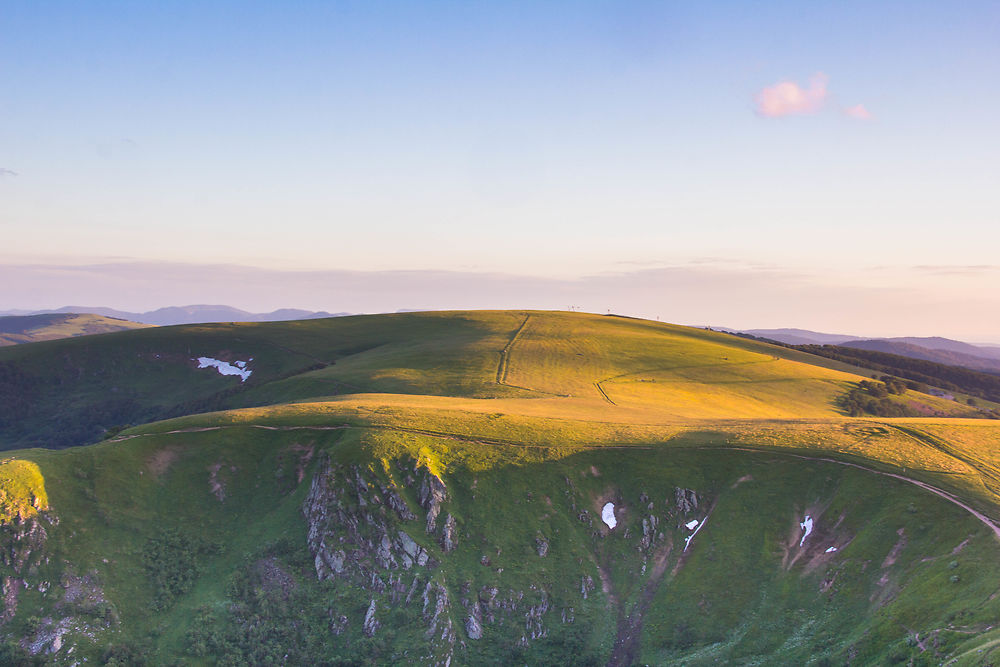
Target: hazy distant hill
<point>800,336</point>
<point>947,345</point>
<point>934,348</point>
<point>196,314</point>
<point>15,329</point>
<point>979,361</point>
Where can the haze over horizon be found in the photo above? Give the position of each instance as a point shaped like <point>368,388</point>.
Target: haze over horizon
<point>831,168</point>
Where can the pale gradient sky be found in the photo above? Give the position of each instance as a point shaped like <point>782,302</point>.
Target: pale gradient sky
<point>840,146</point>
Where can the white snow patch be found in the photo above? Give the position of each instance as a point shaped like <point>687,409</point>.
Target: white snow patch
<point>806,525</point>
<point>608,515</point>
<point>831,550</point>
<point>692,524</point>
<point>226,368</point>
<point>687,540</point>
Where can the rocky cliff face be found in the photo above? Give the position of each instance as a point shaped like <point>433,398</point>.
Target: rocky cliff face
<point>65,609</point>
<point>22,544</point>
<point>395,560</point>
<point>393,538</point>
<point>362,532</point>
<point>72,610</point>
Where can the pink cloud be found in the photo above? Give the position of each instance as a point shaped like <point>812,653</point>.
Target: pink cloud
<point>859,112</point>
<point>788,98</point>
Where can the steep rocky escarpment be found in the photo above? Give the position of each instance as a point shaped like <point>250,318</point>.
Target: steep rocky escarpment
<point>365,534</point>
<point>595,558</point>
<point>394,538</point>
<point>64,609</point>
<point>24,513</point>
<point>578,563</point>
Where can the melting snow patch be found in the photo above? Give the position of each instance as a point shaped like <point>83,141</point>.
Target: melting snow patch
<point>608,515</point>
<point>697,527</point>
<point>226,368</point>
<point>806,525</point>
<point>831,550</point>
<point>692,524</point>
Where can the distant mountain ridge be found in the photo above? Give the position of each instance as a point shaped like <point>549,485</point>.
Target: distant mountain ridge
<point>928,348</point>
<point>193,314</point>
<point>946,345</point>
<point>979,362</point>
<point>793,336</point>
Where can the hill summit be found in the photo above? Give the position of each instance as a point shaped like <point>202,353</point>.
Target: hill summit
<point>485,487</point>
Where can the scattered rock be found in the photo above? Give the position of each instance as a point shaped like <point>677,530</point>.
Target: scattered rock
<point>371,624</point>
<point>400,506</point>
<point>648,532</point>
<point>541,546</point>
<point>432,494</point>
<point>216,485</point>
<point>338,624</point>
<point>473,628</point>
<point>686,500</point>
<point>11,587</point>
<point>448,534</point>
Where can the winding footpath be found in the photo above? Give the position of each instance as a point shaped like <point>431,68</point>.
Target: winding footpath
<point>989,523</point>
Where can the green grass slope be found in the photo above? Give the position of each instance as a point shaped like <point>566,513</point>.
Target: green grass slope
<point>192,548</point>
<point>72,391</point>
<point>428,488</point>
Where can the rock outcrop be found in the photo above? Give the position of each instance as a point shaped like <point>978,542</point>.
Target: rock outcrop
<point>686,500</point>
<point>362,530</point>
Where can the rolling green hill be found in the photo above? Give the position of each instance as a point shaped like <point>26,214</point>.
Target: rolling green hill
<point>17,329</point>
<point>483,488</point>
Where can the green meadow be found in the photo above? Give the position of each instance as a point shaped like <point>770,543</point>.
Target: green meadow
<point>180,505</point>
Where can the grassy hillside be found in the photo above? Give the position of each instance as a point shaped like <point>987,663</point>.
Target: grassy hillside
<point>429,488</point>
<point>955,378</point>
<point>16,329</point>
<point>72,392</point>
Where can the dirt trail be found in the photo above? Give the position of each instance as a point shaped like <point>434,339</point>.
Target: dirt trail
<point>989,472</point>
<point>664,369</point>
<point>626,648</point>
<point>205,429</point>
<point>604,393</point>
<point>923,485</point>
<point>503,364</point>
<point>927,487</point>
<point>452,436</point>
<point>444,435</point>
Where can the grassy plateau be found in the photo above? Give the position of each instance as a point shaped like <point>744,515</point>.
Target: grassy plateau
<point>429,488</point>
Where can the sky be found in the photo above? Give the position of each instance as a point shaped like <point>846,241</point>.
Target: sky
<point>823,165</point>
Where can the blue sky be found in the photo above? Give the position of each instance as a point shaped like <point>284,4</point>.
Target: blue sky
<point>554,140</point>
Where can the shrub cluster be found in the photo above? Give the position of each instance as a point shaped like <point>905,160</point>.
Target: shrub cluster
<point>173,561</point>
<point>872,398</point>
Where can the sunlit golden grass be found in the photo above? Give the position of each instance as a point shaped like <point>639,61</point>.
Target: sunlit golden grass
<point>566,381</point>
<point>539,429</point>
<point>22,490</point>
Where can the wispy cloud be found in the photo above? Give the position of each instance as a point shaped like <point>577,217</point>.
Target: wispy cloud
<point>733,295</point>
<point>7,172</point>
<point>859,112</point>
<point>788,98</point>
<point>956,269</point>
